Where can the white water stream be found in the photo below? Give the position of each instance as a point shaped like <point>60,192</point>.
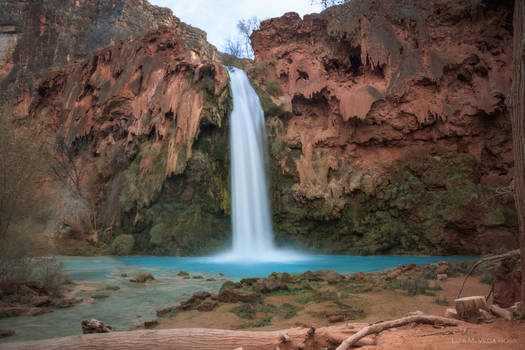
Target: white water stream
<point>251,218</point>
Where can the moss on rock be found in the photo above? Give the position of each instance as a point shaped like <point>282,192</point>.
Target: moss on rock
<point>426,204</point>
<point>122,245</point>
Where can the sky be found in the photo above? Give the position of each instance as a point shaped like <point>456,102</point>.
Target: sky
<point>218,18</point>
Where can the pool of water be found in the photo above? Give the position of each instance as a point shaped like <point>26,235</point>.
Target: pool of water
<point>132,304</point>
<point>237,270</point>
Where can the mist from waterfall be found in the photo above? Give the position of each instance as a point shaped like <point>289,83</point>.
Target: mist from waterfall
<point>251,217</point>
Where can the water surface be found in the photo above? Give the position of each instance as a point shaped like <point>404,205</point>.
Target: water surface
<point>128,307</point>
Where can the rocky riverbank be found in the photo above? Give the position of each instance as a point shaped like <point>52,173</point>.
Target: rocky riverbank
<point>325,297</point>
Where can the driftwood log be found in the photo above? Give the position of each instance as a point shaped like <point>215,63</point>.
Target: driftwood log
<point>501,312</point>
<point>379,327</point>
<point>198,338</point>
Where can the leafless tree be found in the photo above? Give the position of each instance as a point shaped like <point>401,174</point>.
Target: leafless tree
<point>22,171</point>
<point>246,27</point>
<point>328,3</point>
<point>69,161</point>
<point>518,131</point>
<point>233,47</point>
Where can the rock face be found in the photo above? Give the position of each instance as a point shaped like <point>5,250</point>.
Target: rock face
<point>137,97</point>
<point>388,122</point>
<point>393,131</point>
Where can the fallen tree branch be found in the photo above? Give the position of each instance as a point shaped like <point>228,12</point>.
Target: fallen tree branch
<point>194,338</point>
<point>379,327</point>
<point>437,333</point>
<point>491,259</point>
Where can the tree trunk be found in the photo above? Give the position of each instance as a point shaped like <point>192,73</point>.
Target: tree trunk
<point>379,327</point>
<point>468,307</point>
<point>198,338</point>
<point>518,131</point>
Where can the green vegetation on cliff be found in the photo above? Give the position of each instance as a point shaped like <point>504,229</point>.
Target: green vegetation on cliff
<point>427,206</point>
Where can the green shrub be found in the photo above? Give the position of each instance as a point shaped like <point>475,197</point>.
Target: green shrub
<point>273,87</point>
<point>122,245</point>
<point>50,273</point>
<point>441,301</point>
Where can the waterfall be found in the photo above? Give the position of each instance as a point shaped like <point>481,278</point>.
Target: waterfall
<point>251,220</point>
<point>251,217</point>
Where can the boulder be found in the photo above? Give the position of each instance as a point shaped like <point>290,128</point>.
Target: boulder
<point>95,326</point>
<point>169,309</point>
<point>142,277</point>
<point>329,276</point>
<point>64,303</point>
<point>207,306</point>
<point>40,300</point>
<point>245,308</point>
<point>410,267</point>
<point>308,276</point>
<point>442,277</point>
<point>182,273</point>
<point>358,276</point>
<point>249,281</point>
<point>442,269</point>
<point>271,285</point>
<point>201,295</point>
<point>226,293</point>
<point>246,296</point>
<point>12,311</point>
<point>284,277</point>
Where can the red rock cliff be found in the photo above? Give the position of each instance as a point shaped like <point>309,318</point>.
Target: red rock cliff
<point>390,105</point>
<point>129,89</point>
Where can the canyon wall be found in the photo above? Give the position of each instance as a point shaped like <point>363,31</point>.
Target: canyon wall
<point>387,120</point>
<point>393,132</point>
<point>138,99</point>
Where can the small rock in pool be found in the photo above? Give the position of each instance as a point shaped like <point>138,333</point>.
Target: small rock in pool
<point>142,277</point>
<point>182,273</point>
<point>150,323</point>
<point>123,275</point>
<point>197,277</point>
<point>95,326</point>
<point>6,333</point>
<point>210,280</point>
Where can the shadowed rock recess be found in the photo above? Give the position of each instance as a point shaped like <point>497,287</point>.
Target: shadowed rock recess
<point>388,121</point>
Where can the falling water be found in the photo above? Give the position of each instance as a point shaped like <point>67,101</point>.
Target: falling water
<point>252,224</point>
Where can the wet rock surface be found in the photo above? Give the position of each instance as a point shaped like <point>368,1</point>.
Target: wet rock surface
<point>95,326</point>
<point>142,277</point>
